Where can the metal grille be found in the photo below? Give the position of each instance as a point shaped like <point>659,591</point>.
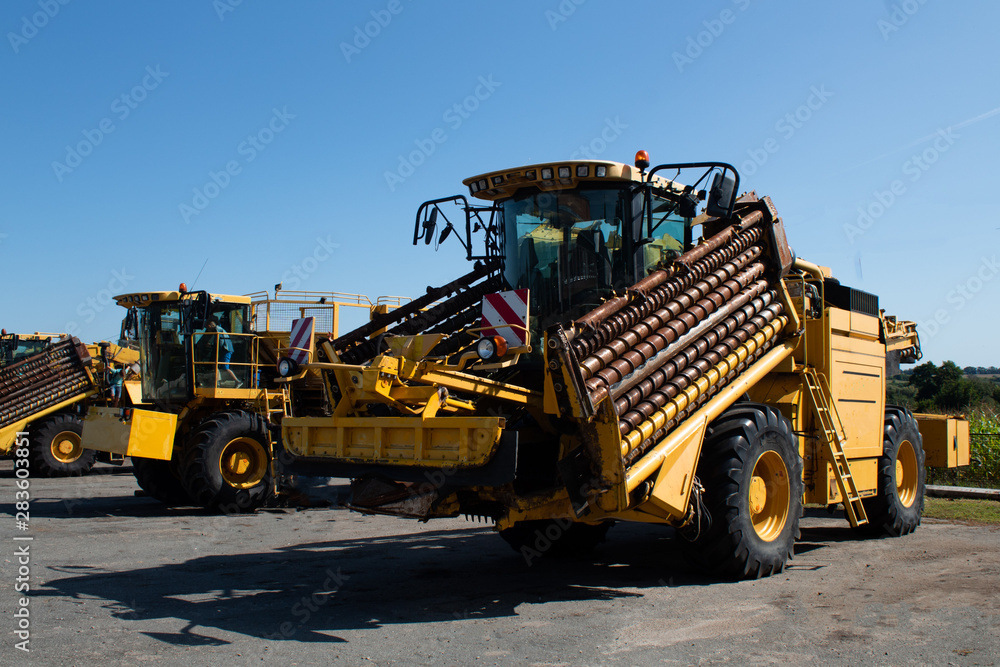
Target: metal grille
<point>851,299</point>
<point>278,316</point>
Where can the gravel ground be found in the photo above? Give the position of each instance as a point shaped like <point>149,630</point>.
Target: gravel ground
<point>119,580</point>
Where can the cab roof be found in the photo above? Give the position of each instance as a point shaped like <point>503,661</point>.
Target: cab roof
<point>144,299</point>
<point>563,175</point>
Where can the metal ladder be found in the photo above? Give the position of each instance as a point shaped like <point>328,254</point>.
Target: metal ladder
<point>832,429</point>
<point>286,399</point>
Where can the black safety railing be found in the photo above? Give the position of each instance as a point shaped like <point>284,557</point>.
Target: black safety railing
<point>225,360</point>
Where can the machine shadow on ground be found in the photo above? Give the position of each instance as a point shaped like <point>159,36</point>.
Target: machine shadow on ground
<point>313,591</point>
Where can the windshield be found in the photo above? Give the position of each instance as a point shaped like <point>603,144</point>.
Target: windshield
<point>566,247</point>
<point>573,248</point>
<point>666,236</point>
<point>9,352</point>
<point>161,350</point>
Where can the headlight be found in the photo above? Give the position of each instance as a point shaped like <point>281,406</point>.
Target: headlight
<point>490,348</point>
<point>287,367</point>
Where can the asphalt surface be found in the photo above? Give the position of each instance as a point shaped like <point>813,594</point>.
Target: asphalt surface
<point>119,580</point>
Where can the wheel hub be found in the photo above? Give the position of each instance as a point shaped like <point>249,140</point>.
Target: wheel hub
<point>66,447</point>
<point>758,495</point>
<point>243,463</point>
<point>769,496</point>
<point>906,474</point>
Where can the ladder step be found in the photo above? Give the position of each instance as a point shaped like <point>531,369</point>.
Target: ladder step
<point>831,429</point>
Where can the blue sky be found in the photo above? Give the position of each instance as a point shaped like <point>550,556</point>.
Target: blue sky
<point>263,141</point>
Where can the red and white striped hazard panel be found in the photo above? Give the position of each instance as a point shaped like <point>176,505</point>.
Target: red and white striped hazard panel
<point>301,340</point>
<point>506,308</point>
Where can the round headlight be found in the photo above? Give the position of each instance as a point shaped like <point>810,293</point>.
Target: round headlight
<point>486,349</point>
<point>287,367</point>
<point>489,348</point>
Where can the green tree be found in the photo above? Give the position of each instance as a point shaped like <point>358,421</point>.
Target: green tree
<point>924,378</point>
<point>897,393</point>
<point>949,372</point>
<point>955,394</point>
<point>945,387</point>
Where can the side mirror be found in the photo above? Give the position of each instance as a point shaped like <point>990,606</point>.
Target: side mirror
<point>429,225</point>
<point>722,195</point>
<point>446,232</point>
<point>688,206</point>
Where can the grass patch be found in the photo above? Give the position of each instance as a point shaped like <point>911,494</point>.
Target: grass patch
<point>963,509</point>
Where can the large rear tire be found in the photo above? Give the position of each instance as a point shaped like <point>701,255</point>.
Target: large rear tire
<point>896,508</point>
<point>160,481</point>
<point>55,449</point>
<point>228,465</point>
<point>752,473</point>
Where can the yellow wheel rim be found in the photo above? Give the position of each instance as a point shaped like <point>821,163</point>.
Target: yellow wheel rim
<point>769,496</point>
<point>66,447</point>
<point>906,474</point>
<point>243,463</point>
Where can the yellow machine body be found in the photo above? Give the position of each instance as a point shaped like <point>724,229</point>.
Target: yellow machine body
<point>946,440</point>
<point>45,374</point>
<point>579,401</point>
<point>205,355</point>
<point>144,433</point>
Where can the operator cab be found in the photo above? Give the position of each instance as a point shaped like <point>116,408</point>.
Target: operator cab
<point>193,344</point>
<point>578,232</point>
<point>14,347</point>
